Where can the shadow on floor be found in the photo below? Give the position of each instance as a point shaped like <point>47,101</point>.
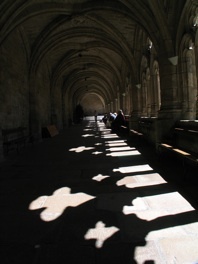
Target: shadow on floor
<point>89,196</point>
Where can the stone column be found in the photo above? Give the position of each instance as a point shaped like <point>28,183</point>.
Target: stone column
<point>136,102</point>
<point>169,90</point>
<point>170,110</point>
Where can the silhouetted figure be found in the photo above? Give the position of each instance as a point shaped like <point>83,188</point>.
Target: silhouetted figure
<point>118,122</point>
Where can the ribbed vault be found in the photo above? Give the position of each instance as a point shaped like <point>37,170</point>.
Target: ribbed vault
<point>91,47</point>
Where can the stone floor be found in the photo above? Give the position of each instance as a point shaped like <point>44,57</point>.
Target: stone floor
<point>92,197</point>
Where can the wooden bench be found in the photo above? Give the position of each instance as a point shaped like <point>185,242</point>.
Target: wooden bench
<point>184,144</point>
<point>14,138</point>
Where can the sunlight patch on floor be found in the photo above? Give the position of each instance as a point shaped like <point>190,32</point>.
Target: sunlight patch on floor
<point>88,135</point>
<point>141,180</point>
<point>173,243</point>
<point>100,233</point>
<point>80,149</point>
<point>100,177</point>
<point>110,136</point>
<point>136,168</point>
<point>154,206</point>
<point>97,152</point>
<point>115,141</point>
<point>55,205</point>
<point>119,148</point>
<point>123,153</point>
<point>116,144</point>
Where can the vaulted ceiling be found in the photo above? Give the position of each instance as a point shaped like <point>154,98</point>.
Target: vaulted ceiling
<point>89,45</point>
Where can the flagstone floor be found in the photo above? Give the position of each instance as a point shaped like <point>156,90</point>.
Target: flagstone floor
<point>87,196</point>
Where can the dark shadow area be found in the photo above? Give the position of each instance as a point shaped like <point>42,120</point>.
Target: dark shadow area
<point>100,222</point>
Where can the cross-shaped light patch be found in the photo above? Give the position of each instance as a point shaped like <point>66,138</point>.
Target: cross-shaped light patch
<point>88,135</point>
<point>81,148</point>
<point>100,233</point>
<point>97,152</point>
<point>100,177</point>
<point>56,203</point>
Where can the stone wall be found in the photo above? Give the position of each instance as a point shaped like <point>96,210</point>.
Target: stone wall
<point>14,92</point>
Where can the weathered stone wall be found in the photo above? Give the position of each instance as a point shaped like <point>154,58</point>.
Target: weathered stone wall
<point>44,96</point>
<point>40,101</point>
<point>57,108</point>
<point>46,102</point>
<point>14,92</point>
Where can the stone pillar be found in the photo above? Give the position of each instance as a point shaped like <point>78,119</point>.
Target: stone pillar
<point>169,90</point>
<point>170,110</point>
<point>134,120</point>
<point>136,102</point>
